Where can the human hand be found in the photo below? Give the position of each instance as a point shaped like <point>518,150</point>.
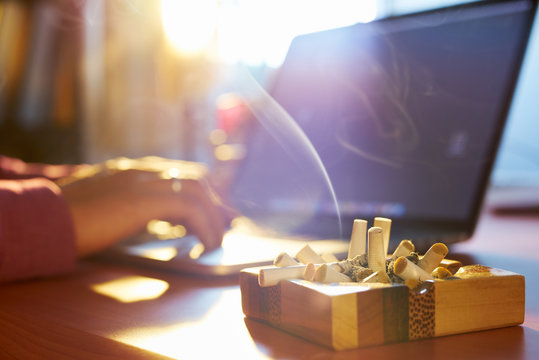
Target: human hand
<point>116,199</point>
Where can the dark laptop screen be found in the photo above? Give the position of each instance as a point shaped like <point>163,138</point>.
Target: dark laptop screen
<point>405,114</point>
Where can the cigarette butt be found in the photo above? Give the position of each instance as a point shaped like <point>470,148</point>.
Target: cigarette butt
<point>344,266</point>
<point>283,259</point>
<point>377,277</point>
<point>358,273</point>
<point>327,274</point>
<point>358,239</point>
<point>441,273</point>
<point>376,257</point>
<point>407,270</point>
<point>307,255</point>
<point>311,268</point>
<point>272,275</point>
<point>452,265</point>
<point>404,249</point>
<point>329,258</point>
<point>385,225</point>
<point>309,272</point>
<point>433,257</point>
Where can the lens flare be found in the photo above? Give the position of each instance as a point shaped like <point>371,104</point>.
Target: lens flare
<point>189,25</point>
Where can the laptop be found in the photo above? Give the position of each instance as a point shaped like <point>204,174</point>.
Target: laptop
<point>405,115</point>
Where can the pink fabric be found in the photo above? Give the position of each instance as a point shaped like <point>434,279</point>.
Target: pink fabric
<point>37,237</point>
<point>11,168</point>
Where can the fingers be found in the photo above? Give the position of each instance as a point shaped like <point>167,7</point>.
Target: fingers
<point>138,196</point>
<point>192,214</point>
<point>204,227</point>
<point>193,205</point>
<point>196,190</point>
<point>201,194</point>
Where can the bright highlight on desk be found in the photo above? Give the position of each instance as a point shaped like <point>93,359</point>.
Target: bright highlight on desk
<point>131,289</point>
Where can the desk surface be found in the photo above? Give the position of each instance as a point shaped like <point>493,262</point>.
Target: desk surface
<point>168,315</point>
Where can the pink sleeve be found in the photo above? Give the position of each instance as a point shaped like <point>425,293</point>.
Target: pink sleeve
<point>36,230</point>
<point>11,168</point>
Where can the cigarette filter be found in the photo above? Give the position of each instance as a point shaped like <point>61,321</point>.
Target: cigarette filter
<point>311,268</point>
<point>327,274</point>
<point>358,238</point>
<point>379,276</point>
<point>283,259</point>
<point>433,257</point>
<point>376,256</point>
<point>309,272</point>
<point>407,270</point>
<point>441,273</point>
<point>385,225</point>
<point>307,255</point>
<point>272,275</point>
<point>404,249</point>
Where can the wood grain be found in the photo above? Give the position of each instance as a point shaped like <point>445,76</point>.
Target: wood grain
<point>31,338</point>
<point>479,303</point>
<point>370,317</point>
<point>351,316</point>
<point>344,318</point>
<point>395,313</point>
<point>306,312</point>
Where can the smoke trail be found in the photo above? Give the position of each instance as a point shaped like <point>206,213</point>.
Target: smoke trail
<point>282,127</point>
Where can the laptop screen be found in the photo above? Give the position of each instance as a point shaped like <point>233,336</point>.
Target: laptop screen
<point>405,114</point>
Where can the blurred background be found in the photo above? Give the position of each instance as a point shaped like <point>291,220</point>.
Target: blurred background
<point>87,80</point>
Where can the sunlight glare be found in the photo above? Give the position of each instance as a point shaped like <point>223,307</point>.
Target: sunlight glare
<point>161,253</point>
<point>256,32</point>
<point>131,289</point>
<point>189,25</point>
<point>164,230</point>
<point>201,339</point>
<point>197,251</point>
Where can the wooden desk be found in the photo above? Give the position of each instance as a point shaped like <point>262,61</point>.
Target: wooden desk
<point>193,318</point>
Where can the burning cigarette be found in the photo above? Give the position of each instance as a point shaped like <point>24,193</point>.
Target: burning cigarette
<point>283,259</point>
<point>307,255</point>
<point>433,257</point>
<point>404,249</point>
<point>327,274</point>
<point>329,258</point>
<point>377,277</point>
<point>376,256</point>
<point>385,225</point>
<point>407,270</point>
<point>358,238</point>
<point>271,276</point>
